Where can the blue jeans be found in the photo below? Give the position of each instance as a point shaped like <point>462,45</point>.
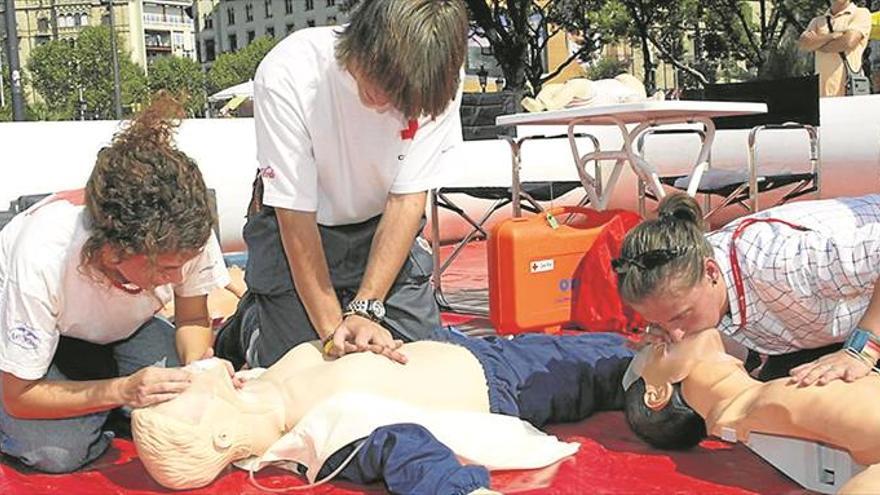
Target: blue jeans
<point>539,378</point>
<point>548,378</point>
<point>64,445</point>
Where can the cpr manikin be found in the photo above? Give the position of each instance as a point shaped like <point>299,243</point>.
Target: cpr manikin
<point>442,421</point>
<point>717,387</point>
<point>582,92</point>
<point>211,424</point>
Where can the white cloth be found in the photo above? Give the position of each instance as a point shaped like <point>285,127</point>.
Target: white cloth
<point>45,294</point>
<point>803,289</point>
<point>492,440</point>
<point>320,150</point>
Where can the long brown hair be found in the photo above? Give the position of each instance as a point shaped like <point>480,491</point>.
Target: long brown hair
<point>412,49</point>
<point>145,196</point>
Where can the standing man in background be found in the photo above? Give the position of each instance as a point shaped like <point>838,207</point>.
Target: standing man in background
<point>843,29</point>
<point>353,126</point>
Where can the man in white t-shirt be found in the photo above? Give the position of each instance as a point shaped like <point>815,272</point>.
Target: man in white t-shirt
<point>353,126</point>
<point>842,31</point>
<point>82,276</point>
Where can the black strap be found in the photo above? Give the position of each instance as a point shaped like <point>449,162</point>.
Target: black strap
<point>842,55</point>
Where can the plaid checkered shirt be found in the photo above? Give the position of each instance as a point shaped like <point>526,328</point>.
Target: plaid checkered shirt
<point>802,289</point>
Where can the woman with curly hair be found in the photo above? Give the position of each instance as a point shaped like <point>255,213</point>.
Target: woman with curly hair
<point>82,277</point>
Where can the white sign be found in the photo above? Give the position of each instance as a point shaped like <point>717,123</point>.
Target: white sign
<point>539,266</point>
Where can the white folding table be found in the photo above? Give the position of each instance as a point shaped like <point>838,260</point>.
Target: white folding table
<point>639,117</point>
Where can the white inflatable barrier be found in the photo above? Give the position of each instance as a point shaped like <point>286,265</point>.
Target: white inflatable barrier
<point>38,157</point>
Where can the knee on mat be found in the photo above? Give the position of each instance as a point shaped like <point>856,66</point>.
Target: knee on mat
<point>57,460</point>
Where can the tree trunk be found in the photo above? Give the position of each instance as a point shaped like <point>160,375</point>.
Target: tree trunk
<point>649,79</point>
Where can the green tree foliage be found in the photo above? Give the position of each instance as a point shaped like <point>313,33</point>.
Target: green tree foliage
<point>6,108</point>
<point>607,67</point>
<point>701,38</point>
<point>233,68</point>
<point>179,76</point>
<point>54,73</point>
<point>66,75</point>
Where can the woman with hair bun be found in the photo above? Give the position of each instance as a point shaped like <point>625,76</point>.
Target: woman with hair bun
<point>82,276</point>
<point>795,283</point>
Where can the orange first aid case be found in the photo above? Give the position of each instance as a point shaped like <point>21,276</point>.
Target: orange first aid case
<point>534,267</point>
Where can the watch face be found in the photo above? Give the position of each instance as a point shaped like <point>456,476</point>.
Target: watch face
<point>377,309</point>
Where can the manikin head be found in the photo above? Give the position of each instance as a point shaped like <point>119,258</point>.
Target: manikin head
<point>186,442</point>
<point>666,270</point>
<point>675,426</point>
<point>654,405</point>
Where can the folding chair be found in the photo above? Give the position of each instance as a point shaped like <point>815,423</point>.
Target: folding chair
<point>530,194</point>
<point>793,106</point>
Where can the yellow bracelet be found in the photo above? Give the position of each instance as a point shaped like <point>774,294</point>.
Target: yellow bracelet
<point>328,346</point>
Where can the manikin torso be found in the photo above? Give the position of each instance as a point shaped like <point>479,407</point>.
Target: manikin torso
<point>719,389</point>
<point>437,376</point>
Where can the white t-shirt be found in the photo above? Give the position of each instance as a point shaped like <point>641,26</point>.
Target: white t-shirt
<point>44,294</point>
<point>320,150</point>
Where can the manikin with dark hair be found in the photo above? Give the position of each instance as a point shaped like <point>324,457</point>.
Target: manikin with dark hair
<point>693,387</point>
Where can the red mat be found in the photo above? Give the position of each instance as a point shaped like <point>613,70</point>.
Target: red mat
<point>610,460</point>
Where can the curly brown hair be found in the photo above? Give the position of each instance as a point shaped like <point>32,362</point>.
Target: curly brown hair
<point>145,196</point>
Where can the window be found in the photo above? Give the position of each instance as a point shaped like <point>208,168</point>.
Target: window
<point>331,20</point>
<point>210,50</point>
<point>209,21</point>
<point>270,31</point>
<point>233,42</point>
<point>251,35</point>
<point>43,24</point>
<point>310,23</point>
<point>267,5</point>
<point>310,4</point>
<point>290,28</point>
<point>230,15</point>
<point>331,3</point>
<point>288,7</point>
<point>84,19</point>
<point>249,12</point>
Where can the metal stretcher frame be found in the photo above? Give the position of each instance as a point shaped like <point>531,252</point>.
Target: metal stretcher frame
<point>643,115</point>
<point>746,192</point>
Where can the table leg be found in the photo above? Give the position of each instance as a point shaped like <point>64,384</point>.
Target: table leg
<point>515,161</point>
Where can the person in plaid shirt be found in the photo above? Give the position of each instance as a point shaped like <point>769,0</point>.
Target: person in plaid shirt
<point>792,282</point>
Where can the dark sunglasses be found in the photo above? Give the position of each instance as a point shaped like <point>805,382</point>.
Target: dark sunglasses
<point>647,260</point>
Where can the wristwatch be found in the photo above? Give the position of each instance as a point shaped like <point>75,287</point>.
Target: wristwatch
<point>372,309</point>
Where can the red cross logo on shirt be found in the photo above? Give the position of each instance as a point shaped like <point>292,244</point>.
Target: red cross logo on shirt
<point>76,197</point>
<point>410,132</point>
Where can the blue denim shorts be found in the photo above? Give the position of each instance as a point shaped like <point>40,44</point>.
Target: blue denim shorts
<point>549,378</point>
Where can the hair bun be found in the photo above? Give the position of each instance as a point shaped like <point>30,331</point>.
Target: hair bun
<point>682,207</point>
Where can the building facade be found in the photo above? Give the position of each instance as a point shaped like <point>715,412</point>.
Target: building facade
<point>229,25</point>
<point>146,28</point>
